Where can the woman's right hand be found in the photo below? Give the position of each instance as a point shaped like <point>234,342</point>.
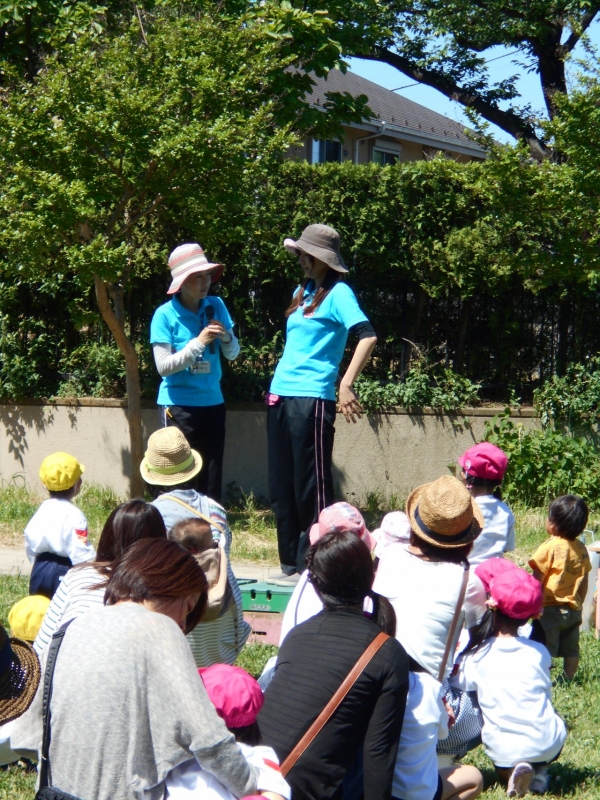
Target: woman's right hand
<point>213,330</point>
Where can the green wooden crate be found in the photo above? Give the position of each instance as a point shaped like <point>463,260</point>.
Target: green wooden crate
<point>259,596</point>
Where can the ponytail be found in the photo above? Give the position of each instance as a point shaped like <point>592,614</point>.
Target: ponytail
<point>383,614</point>
<point>480,632</point>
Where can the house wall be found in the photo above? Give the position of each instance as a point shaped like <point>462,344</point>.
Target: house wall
<point>389,453</point>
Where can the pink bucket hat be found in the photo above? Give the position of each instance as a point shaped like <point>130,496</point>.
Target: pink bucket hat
<point>490,569</point>
<point>234,693</point>
<point>517,594</point>
<point>338,518</point>
<point>394,528</point>
<point>485,461</point>
<point>187,259</point>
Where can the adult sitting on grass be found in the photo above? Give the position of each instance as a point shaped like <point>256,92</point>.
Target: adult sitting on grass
<point>127,703</point>
<point>79,590</point>
<point>314,660</point>
<point>169,469</point>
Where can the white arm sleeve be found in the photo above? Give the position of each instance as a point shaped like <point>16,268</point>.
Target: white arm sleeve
<point>168,363</point>
<point>230,349</point>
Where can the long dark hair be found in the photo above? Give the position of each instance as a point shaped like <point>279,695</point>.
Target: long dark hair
<point>341,570</point>
<point>331,278</point>
<point>127,524</point>
<point>161,571</point>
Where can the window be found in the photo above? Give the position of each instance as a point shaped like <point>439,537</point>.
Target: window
<point>384,157</point>
<point>324,151</point>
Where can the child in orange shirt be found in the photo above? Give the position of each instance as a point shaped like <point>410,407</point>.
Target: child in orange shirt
<point>561,565</point>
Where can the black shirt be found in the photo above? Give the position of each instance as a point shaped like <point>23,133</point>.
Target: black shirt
<point>313,661</point>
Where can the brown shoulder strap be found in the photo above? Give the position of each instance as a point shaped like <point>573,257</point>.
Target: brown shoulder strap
<point>452,631</point>
<point>193,510</point>
<point>335,701</point>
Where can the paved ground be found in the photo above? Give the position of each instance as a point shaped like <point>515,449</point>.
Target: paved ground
<point>14,562</point>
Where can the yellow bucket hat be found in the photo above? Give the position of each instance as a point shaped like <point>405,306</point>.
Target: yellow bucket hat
<point>26,616</point>
<point>60,471</point>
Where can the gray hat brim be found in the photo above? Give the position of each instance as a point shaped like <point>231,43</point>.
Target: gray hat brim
<point>334,260</point>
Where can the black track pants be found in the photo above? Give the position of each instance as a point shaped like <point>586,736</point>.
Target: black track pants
<point>204,428</point>
<point>300,434</point>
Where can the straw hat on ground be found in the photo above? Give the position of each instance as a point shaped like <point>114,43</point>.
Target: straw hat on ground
<point>169,459</point>
<point>444,514</point>
<point>319,241</point>
<point>19,677</point>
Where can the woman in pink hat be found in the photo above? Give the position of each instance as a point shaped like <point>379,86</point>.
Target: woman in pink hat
<point>187,334</point>
<point>302,397</point>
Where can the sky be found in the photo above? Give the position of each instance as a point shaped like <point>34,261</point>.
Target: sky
<point>499,68</point>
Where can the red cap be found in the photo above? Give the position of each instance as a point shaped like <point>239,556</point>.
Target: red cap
<point>234,693</point>
<point>484,460</point>
<point>517,594</point>
<point>490,569</point>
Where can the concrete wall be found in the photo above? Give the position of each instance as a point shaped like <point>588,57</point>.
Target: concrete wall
<point>390,453</point>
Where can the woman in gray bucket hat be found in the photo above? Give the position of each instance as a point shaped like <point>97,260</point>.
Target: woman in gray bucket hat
<point>302,397</point>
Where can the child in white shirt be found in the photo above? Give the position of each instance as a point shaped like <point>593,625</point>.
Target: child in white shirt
<point>56,537</point>
<point>416,775</point>
<point>483,468</point>
<point>237,698</point>
<point>522,734</point>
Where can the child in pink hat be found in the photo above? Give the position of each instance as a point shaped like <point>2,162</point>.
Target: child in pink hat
<point>304,602</point>
<point>483,468</point>
<point>522,734</point>
<point>237,698</point>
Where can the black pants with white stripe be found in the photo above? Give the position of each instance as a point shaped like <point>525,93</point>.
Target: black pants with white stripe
<point>300,435</point>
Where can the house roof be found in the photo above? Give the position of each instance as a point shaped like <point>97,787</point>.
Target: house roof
<point>404,118</point>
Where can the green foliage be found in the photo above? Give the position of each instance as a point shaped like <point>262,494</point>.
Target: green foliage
<point>425,384</point>
<point>571,400</point>
<point>545,463</point>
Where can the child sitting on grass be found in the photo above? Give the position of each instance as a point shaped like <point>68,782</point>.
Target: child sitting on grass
<point>522,734</point>
<point>561,565</point>
<point>56,537</point>
<point>219,619</point>
<point>238,699</point>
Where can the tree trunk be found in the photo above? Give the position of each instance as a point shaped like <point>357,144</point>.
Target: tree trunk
<point>115,322</point>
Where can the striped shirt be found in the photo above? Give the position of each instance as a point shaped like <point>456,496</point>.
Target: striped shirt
<point>221,640</point>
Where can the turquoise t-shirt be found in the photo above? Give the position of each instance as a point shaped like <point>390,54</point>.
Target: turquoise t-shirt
<point>315,345</point>
<point>175,325</point>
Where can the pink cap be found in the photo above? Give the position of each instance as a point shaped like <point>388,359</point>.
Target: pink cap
<point>517,594</point>
<point>484,460</point>
<point>186,260</point>
<point>394,528</point>
<point>490,569</point>
<point>234,693</point>
<point>338,518</point>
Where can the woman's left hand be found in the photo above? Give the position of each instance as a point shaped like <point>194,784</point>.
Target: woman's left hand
<point>349,404</point>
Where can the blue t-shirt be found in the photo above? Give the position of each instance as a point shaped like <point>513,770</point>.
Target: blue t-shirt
<point>173,324</point>
<point>315,345</point>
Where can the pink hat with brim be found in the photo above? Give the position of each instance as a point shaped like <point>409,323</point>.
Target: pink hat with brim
<point>188,259</point>
<point>484,460</point>
<point>234,693</point>
<point>517,594</point>
<point>490,569</point>
<point>338,518</point>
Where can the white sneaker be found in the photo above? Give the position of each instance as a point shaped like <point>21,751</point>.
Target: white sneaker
<point>519,781</point>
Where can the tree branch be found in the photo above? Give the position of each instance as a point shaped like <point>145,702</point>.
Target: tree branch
<point>154,204</point>
<point>586,21</point>
<point>508,121</point>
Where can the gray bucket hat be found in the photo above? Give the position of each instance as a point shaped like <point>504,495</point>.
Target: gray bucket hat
<point>319,241</point>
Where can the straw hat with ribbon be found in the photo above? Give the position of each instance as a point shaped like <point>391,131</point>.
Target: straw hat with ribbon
<point>319,241</point>
<point>188,259</point>
<point>169,459</point>
<point>443,513</point>
<point>19,677</point>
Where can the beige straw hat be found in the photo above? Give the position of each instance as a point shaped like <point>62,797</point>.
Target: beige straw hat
<point>443,513</point>
<point>19,677</point>
<point>319,241</point>
<point>169,459</point>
